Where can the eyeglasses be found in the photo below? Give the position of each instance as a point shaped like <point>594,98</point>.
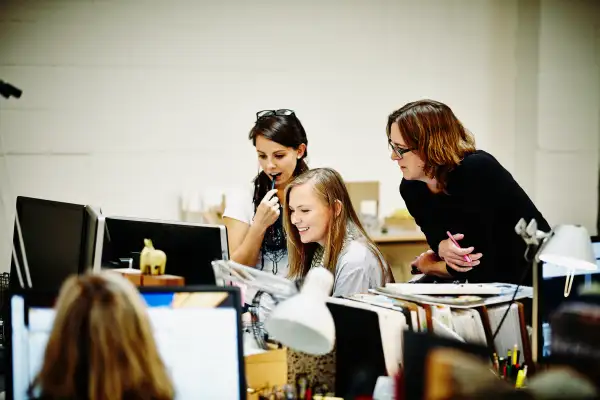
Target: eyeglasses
<point>269,113</point>
<point>400,152</point>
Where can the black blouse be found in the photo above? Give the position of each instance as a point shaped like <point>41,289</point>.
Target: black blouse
<point>484,203</point>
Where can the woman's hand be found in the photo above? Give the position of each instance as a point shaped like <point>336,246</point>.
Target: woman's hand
<point>429,263</point>
<point>267,211</point>
<point>455,256</point>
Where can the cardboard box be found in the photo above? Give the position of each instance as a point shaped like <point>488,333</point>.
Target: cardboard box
<point>266,370</point>
<point>163,280</point>
<point>135,276</point>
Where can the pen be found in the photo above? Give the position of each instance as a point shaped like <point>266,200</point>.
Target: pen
<point>496,363</point>
<point>273,180</point>
<point>515,355</point>
<point>466,257</point>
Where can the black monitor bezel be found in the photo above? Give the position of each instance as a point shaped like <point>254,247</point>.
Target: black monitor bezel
<point>46,297</point>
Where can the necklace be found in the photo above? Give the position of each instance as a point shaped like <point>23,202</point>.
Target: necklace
<point>351,234</point>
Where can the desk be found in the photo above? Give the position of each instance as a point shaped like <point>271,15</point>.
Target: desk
<point>399,248</point>
<point>135,276</point>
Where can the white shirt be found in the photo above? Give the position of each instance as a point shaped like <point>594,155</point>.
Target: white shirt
<point>239,206</point>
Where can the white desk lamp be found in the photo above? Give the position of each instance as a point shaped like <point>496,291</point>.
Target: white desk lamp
<point>566,246</point>
<point>301,319</point>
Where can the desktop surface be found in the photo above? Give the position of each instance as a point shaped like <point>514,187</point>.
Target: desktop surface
<point>197,330</point>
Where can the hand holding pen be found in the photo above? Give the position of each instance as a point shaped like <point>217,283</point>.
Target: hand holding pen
<point>267,211</point>
<point>457,258</point>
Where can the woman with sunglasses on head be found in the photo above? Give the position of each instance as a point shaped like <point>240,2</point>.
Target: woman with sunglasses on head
<point>253,217</point>
<point>324,230</point>
<point>457,193</point>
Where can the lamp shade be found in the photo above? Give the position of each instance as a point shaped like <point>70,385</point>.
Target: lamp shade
<point>569,247</point>
<point>303,322</point>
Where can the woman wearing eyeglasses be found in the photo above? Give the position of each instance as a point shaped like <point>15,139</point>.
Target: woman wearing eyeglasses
<point>453,189</point>
<point>253,216</point>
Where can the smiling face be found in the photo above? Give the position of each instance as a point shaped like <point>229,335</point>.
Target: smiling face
<point>409,162</point>
<point>275,158</point>
<point>309,214</point>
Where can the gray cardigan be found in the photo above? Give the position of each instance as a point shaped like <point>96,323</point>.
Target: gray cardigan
<point>357,270</point>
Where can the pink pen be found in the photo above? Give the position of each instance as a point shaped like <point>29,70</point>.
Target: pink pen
<point>466,257</point>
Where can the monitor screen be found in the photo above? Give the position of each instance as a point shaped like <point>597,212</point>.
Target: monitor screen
<point>93,238</point>
<point>551,294</point>
<point>54,238</point>
<point>197,331</point>
<point>190,248</point>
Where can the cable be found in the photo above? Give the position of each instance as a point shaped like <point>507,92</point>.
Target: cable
<point>529,264</point>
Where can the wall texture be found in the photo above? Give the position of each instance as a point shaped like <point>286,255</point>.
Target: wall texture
<point>128,104</point>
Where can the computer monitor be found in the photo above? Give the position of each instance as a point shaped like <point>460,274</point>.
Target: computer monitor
<point>197,331</point>
<point>94,238</point>
<point>54,235</point>
<point>190,247</point>
<point>550,295</point>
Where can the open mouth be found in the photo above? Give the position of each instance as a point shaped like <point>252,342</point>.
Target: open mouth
<point>301,230</point>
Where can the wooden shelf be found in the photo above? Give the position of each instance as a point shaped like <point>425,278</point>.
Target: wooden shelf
<point>398,236</point>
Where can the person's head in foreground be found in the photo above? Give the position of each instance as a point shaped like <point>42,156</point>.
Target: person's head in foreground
<point>324,230</point>
<point>427,141</point>
<point>101,345</point>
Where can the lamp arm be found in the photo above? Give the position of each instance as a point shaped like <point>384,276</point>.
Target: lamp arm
<point>227,272</point>
<point>535,239</point>
<point>257,327</point>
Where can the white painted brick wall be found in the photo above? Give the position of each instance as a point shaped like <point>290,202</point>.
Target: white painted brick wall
<point>129,103</point>
<point>568,119</point>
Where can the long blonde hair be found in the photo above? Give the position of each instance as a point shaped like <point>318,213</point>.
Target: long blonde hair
<point>101,345</point>
<point>330,188</point>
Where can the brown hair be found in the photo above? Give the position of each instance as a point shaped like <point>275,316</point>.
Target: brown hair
<point>286,130</point>
<point>329,188</point>
<point>431,128</point>
<point>101,345</point>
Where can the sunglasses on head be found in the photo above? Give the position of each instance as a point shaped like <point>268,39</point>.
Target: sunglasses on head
<point>269,113</point>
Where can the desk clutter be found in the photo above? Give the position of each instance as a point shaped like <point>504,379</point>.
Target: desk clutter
<point>375,338</point>
<point>152,270</point>
<point>469,318</point>
<point>432,341</point>
<point>288,374</point>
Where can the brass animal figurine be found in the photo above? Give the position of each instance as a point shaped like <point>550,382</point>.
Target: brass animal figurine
<point>152,261</point>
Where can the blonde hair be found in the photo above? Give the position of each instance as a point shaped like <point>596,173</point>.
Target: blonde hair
<point>101,345</point>
<point>432,130</point>
<point>330,188</point>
